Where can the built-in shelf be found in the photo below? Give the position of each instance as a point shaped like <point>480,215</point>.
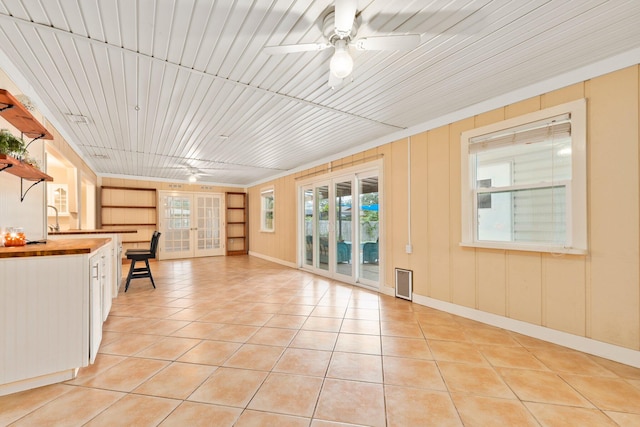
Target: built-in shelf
<point>131,207</point>
<point>128,207</point>
<point>140,224</point>
<point>237,226</point>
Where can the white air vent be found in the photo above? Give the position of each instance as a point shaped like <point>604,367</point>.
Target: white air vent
<point>78,118</point>
<point>404,283</point>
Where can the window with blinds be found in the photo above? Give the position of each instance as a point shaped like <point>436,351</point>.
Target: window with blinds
<point>267,209</point>
<point>525,182</point>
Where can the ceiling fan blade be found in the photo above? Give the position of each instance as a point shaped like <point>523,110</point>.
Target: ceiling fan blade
<point>334,82</point>
<point>403,42</point>
<point>344,15</point>
<point>292,48</point>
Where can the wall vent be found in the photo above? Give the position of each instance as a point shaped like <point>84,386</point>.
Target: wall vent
<point>404,283</point>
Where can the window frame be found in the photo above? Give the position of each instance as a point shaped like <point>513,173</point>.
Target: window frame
<point>576,188</point>
<point>51,197</point>
<point>265,193</point>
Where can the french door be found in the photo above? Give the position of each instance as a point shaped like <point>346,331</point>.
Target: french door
<point>339,236</point>
<point>191,225</point>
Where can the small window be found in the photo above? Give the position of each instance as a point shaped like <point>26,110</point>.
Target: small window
<point>267,207</point>
<point>58,196</point>
<point>524,182</point>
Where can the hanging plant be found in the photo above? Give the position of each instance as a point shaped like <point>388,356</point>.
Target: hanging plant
<point>11,145</point>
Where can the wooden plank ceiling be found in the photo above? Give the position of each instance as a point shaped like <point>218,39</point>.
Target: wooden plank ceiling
<point>170,88</point>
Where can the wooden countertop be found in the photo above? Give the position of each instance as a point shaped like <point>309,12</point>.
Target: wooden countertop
<point>54,247</point>
<point>93,231</point>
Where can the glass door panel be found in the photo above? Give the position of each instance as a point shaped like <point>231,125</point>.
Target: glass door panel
<point>307,231</point>
<point>176,220</point>
<point>369,255</point>
<point>343,205</point>
<point>322,227</point>
<point>209,225</point>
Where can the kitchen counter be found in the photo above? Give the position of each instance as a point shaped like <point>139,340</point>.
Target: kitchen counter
<point>92,231</point>
<point>53,309</point>
<point>114,234</point>
<point>54,247</point>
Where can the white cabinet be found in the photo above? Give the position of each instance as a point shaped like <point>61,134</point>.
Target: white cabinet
<point>52,310</point>
<point>115,261</point>
<point>96,303</point>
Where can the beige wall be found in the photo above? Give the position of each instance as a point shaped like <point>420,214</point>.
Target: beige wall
<point>595,296</point>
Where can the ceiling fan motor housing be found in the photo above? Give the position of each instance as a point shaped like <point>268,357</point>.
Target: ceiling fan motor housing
<point>329,29</point>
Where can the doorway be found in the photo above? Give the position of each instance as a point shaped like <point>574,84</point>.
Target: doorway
<point>340,227</point>
<point>191,224</point>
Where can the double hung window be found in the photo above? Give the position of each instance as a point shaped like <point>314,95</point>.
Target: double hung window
<point>524,182</point>
<point>267,202</point>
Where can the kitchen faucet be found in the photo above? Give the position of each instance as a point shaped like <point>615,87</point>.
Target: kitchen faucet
<point>57,226</point>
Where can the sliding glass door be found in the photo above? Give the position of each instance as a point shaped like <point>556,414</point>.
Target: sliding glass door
<point>339,233</point>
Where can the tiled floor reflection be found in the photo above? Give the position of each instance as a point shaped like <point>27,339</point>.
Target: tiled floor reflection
<point>240,341</point>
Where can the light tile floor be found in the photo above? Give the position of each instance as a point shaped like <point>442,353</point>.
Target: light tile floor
<point>240,341</point>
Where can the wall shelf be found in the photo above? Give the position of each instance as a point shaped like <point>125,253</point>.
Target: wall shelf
<point>21,169</point>
<point>24,171</point>
<point>15,113</point>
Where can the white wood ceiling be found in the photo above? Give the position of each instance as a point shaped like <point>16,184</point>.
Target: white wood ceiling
<point>171,87</point>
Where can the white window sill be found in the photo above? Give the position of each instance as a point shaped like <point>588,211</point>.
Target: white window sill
<point>525,247</point>
<point>267,231</point>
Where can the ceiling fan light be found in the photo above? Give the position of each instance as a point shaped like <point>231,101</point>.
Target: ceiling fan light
<point>193,178</point>
<point>341,62</point>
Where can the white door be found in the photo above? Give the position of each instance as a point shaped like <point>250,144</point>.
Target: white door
<point>191,225</point>
<point>209,224</point>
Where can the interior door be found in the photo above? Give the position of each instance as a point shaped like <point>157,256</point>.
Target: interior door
<point>209,225</point>
<point>191,225</point>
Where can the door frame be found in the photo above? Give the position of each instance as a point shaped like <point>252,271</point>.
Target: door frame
<point>329,179</point>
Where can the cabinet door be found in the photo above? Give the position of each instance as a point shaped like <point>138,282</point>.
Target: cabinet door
<point>106,279</point>
<point>95,305</point>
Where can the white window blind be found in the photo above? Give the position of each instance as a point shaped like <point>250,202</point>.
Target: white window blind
<point>522,184</point>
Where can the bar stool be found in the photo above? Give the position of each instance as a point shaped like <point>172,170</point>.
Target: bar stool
<point>136,255</point>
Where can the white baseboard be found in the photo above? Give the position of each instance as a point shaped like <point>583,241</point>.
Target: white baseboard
<point>388,290</point>
<point>586,345</point>
<point>40,381</point>
<point>276,260</point>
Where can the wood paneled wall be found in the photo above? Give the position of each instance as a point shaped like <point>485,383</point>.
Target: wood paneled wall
<point>595,296</point>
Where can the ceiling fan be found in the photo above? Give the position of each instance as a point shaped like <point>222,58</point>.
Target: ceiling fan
<point>191,172</point>
<point>340,27</point>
